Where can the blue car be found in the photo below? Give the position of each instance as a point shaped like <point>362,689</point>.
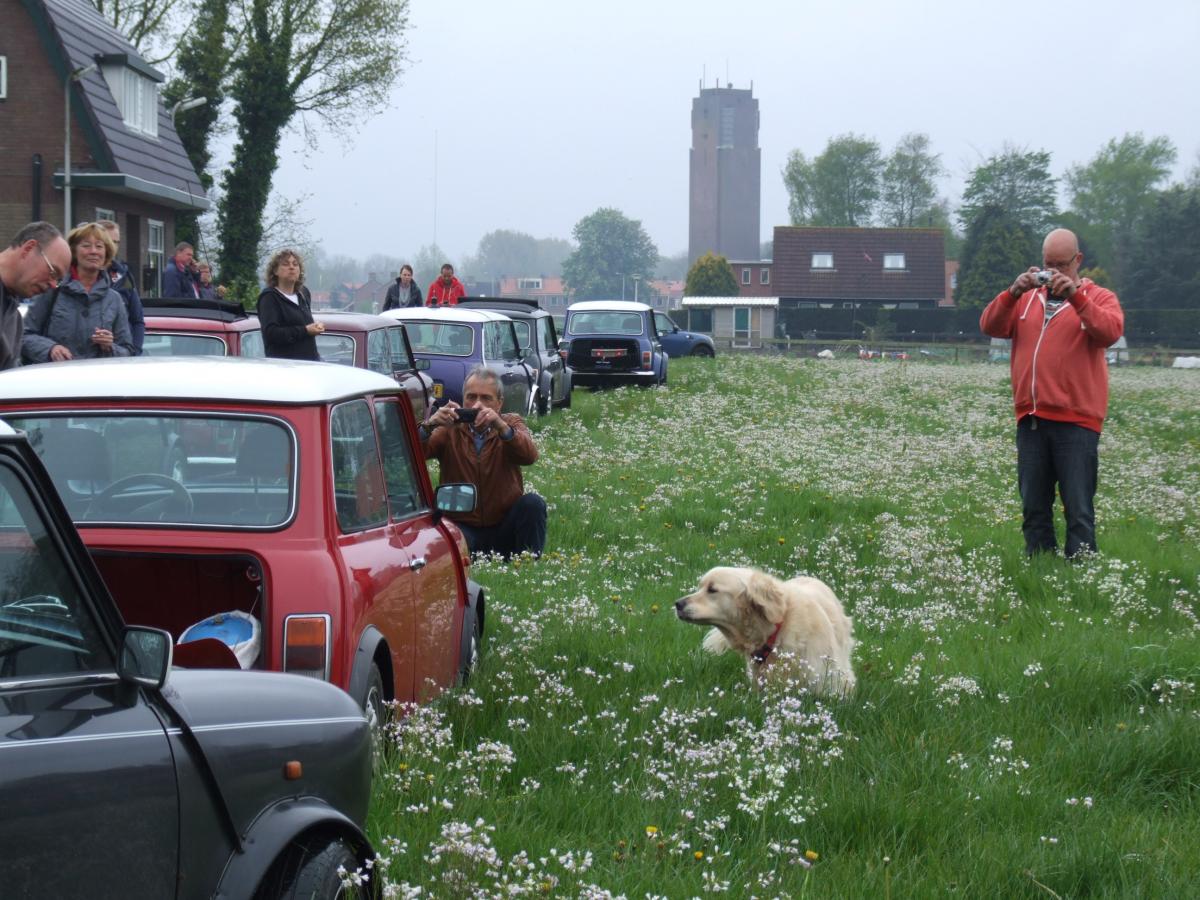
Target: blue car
<point>679,342</point>
<point>456,340</point>
<point>612,342</point>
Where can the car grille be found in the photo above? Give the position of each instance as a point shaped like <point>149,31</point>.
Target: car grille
<point>605,354</point>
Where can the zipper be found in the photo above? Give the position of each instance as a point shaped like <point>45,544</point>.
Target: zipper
<point>1037,348</point>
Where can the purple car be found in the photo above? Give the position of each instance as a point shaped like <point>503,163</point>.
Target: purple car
<point>456,340</point>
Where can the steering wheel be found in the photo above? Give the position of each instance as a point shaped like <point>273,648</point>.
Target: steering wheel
<point>181,499</point>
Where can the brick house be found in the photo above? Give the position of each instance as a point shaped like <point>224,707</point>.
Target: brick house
<point>754,277</point>
<point>549,291</point>
<point>127,163</point>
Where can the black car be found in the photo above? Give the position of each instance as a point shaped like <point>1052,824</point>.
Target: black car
<point>122,777</point>
<point>536,331</point>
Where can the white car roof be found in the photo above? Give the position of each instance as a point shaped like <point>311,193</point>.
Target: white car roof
<point>613,305</point>
<point>192,378</point>
<point>445,314</point>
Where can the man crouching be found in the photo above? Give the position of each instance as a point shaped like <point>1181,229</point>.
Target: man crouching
<point>477,444</point>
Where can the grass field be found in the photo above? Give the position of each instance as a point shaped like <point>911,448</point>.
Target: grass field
<point>1020,729</point>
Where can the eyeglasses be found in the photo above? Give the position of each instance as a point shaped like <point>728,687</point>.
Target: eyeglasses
<point>53,271</point>
<point>1060,265</point>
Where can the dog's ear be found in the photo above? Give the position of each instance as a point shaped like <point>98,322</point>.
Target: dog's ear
<point>765,596</point>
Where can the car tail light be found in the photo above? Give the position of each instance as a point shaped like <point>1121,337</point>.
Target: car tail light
<point>564,349</point>
<point>306,646</point>
<point>647,357</point>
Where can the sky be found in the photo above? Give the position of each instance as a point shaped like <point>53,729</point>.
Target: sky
<point>531,114</point>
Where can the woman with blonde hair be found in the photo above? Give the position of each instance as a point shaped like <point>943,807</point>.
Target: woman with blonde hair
<point>285,312</point>
<point>82,316</point>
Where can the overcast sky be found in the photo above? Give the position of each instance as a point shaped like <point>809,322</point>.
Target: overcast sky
<point>545,110</point>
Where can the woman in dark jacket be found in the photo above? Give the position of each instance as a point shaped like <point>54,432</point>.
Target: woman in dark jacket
<point>404,291</point>
<point>288,329</point>
<point>83,317</point>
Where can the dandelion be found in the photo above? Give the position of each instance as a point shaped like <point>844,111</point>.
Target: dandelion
<point>812,855</point>
<point>651,830</point>
<point>698,855</point>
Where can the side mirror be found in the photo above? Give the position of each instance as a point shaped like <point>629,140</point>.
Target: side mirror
<point>455,498</point>
<point>145,656</point>
<point>423,365</point>
<point>529,356</point>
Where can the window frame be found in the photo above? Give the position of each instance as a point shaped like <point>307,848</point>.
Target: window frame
<point>764,275</point>
<point>368,524</point>
<point>903,267</point>
<point>820,256</point>
<point>746,275</point>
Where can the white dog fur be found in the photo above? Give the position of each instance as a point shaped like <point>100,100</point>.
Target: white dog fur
<point>745,607</point>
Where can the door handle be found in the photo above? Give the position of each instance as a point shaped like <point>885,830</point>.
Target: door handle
<point>417,564</point>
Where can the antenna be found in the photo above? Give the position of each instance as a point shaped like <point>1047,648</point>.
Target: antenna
<point>435,174</point>
<point>727,71</point>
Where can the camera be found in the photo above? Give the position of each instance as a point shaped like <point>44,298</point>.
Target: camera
<point>1043,277</point>
<point>466,415</point>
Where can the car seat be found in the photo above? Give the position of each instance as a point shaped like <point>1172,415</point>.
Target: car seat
<point>264,456</point>
<point>77,459</point>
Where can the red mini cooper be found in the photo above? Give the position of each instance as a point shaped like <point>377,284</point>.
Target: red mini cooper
<point>268,514</point>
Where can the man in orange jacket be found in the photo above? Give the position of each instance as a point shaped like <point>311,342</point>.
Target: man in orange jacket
<point>446,290</point>
<point>1060,326</point>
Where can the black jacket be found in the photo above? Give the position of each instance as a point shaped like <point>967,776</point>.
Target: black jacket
<point>392,300</point>
<point>283,322</point>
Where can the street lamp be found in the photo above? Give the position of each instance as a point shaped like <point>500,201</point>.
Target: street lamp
<point>622,274</point>
<point>636,279</point>
<point>72,76</point>
<point>184,105</point>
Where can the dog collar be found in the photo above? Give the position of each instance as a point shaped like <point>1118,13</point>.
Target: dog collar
<point>760,655</point>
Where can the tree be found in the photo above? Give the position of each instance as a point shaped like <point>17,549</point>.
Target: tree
<point>427,264</point>
<point>610,246</point>
<point>711,276</point>
<point>839,187</point>
<point>147,24</point>
<point>998,248</point>
<point>1114,191</point>
<point>503,252</point>
<point>1015,181</point>
<point>299,57</point>
<point>908,186</point>
<point>1165,273</point>
<point>673,268</point>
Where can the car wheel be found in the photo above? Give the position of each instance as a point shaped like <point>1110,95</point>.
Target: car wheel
<point>543,404</point>
<point>309,869</point>
<point>566,400</point>
<point>376,711</point>
<point>467,666</point>
<point>703,350</point>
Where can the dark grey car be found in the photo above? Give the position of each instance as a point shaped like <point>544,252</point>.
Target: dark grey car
<point>117,782</point>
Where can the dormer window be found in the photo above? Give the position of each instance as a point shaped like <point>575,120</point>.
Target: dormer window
<point>134,86</point>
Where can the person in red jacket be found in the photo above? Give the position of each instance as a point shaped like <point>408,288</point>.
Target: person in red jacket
<point>1060,325</point>
<point>447,290</point>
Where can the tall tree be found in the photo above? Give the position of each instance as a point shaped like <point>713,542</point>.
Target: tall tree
<point>673,268</point>
<point>1114,191</point>
<point>711,276</point>
<point>1016,181</point>
<point>504,252</point>
<point>839,187</point>
<point>1165,273</point>
<point>997,249</point>
<point>610,246</point>
<point>427,264</point>
<point>147,24</point>
<point>909,183</point>
<point>328,58</point>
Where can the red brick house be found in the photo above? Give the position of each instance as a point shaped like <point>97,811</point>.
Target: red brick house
<point>754,277</point>
<point>549,291</point>
<point>127,163</point>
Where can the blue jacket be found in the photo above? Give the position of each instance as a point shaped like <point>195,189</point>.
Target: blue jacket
<point>73,314</point>
<point>122,283</point>
<point>178,284</point>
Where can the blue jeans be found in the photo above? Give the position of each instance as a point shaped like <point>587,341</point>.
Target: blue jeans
<point>522,528</point>
<point>1050,453</point>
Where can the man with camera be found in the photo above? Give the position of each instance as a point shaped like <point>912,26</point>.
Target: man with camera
<point>1060,325</point>
<point>478,444</point>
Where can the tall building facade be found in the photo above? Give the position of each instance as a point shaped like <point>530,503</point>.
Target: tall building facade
<point>726,172</point>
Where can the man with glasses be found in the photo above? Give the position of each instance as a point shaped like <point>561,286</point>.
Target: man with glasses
<point>36,260</point>
<point>1060,325</point>
<point>122,282</point>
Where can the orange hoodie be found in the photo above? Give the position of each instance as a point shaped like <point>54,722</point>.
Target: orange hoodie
<point>1058,367</point>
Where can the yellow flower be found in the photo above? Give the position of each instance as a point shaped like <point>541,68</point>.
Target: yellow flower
<point>651,830</point>
<point>653,607</point>
<point>699,854</point>
<point>812,855</point>
<point>783,540</point>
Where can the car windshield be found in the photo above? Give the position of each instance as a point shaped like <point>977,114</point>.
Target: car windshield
<point>162,471</point>
<point>523,337</point>
<point>605,322</point>
<point>445,338</point>
<point>183,345</point>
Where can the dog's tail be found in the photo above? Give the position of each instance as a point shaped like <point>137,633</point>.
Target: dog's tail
<point>715,642</point>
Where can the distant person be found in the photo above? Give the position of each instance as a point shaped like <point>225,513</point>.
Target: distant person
<point>178,282</point>
<point>403,291</point>
<point>488,451</point>
<point>209,290</point>
<point>1060,325</point>
<point>122,281</point>
<point>36,260</point>
<point>447,290</point>
<point>83,317</point>
<point>285,310</point>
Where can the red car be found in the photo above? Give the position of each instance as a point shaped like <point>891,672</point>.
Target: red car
<point>285,497</point>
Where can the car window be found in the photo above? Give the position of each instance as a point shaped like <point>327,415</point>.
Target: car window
<point>252,345</point>
<point>400,477</point>
<point>358,485</point>
<point>400,355</point>
<point>336,348</point>
<point>663,324</point>
<point>606,322</point>
<point>441,337</point>
<point>45,628</point>
<point>523,336</point>
<point>183,345</point>
<point>379,357</point>
<point>546,331</point>
<point>162,471</point>
<point>499,341</point>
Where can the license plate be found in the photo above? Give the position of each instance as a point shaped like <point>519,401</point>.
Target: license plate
<point>437,389</point>
<point>608,354</point>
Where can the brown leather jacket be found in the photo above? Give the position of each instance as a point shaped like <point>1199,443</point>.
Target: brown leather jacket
<point>495,470</point>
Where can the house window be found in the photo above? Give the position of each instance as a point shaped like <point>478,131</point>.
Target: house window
<point>529,284</point>
<point>893,262</point>
<point>745,276</point>
<point>822,260</point>
<point>700,319</point>
<point>136,97</point>
<point>3,77</point>
<point>105,215</point>
<point>764,276</point>
<point>155,257</point>
<point>953,281</point>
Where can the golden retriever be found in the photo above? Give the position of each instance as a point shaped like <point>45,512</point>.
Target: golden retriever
<point>793,630</point>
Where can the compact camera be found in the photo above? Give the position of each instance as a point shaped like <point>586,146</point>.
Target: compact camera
<point>1044,277</point>
<point>466,415</point>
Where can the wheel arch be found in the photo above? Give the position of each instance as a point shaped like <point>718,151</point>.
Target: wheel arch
<point>372,648</point>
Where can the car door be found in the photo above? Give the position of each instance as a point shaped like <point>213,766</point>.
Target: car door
<point>87,781</point>
<point>436,610</point>
<point>551,360</point>
<point>501,352</point>
<point>674,342</point>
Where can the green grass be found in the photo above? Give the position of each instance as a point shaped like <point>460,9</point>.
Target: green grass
<point>1022,728</point>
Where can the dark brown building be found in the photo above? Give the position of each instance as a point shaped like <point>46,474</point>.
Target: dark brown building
<point>724,206</point>
<point>127,163</point>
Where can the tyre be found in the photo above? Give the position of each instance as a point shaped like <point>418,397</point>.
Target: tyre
<point>471,660</point>
<point>308,870</point>
<point>702,350</point>
<point>376,711</point>
<point>543,404</point>
<point>566,400</point>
